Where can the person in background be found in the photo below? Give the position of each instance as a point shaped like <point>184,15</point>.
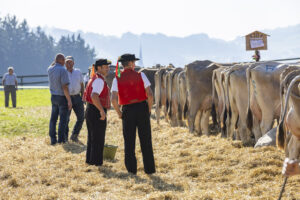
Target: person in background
<point>86,77</point>
<point>10,83</point>
<point>60,99</point>
<point>97,96</point>
<point>76,90</point>
<point>132,90</point>
<point>256,56</point>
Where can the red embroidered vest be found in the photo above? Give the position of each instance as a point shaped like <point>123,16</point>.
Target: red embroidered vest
<point>104,95</point>
<point>131,87</point>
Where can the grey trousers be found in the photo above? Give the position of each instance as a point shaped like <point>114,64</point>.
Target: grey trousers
<point>10,89</point>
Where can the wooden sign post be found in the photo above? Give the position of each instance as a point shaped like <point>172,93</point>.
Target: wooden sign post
<point>256,41</point>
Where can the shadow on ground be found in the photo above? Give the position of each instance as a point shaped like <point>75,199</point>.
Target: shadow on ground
<point>75,148</point>
<point>156,181</point>
<point>161,185</point>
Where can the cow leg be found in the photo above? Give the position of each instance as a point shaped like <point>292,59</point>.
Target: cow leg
<point>198,128</point>
<point>185,117</point>
<point>266,122</point>
<point>293,147</point>
<point>239,131</point>
<point>230,124</point>
<point>191,117</point>
<point>166,110</point>
<point>205,122</point>
<point>157,112</point>
<point>179,116</point>
<point>256,129</point>
<point>174,113</point>
<point>244,134</point>
<point>223,123</point>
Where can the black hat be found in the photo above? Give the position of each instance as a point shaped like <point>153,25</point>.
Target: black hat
<point>102,61</point>
<point>127,57</point>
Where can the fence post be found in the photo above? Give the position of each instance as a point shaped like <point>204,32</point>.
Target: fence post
<point>21,81</point>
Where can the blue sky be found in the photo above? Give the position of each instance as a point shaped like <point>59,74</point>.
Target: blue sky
<point>224,19</point>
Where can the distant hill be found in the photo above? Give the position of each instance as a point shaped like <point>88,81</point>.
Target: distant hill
<point>159,48</point>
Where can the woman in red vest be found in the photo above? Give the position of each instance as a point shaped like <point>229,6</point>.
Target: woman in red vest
<point>97,96</point>
<point>132,90</point>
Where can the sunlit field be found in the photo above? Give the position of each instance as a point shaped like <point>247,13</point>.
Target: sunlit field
<point>188,166</point>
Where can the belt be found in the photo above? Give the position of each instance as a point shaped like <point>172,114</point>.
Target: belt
<point>134,104</point>
<point>92,106</point>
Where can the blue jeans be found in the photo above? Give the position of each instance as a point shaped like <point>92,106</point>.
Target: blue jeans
<point>77,106</point>
<point>59,107</point>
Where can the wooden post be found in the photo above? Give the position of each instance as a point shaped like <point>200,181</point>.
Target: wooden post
<point>21,81</point>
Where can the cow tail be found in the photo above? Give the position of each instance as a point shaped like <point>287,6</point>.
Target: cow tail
<point>223,126</point>
<point>249,119</point>
<point>213,106</point>
<point>185,112</point>
<point>170,103</point>
<point>229,105</point>
<point>227,82</point>
<point>237,122</point>
<point>281,135</point>
<point>224,114</point>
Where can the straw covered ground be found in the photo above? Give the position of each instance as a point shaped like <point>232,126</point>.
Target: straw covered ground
<point>188,166</point>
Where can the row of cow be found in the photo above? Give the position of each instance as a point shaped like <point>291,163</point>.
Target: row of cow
<point>243,101</point>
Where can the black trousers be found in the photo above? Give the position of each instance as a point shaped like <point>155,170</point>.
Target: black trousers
<point>137,116</point>
<point>10,89</point>
<point>96,135</point>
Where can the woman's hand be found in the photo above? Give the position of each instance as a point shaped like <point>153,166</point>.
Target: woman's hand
<point>103,115</point>
<point>120,114</point>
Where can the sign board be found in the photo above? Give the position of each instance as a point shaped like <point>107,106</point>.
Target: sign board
<point>256,41</point>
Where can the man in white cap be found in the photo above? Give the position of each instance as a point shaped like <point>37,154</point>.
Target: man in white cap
<point>76,90</point>
<point>10,83</point>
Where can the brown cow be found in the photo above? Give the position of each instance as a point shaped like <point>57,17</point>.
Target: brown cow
<point>168,82</point>
<point>165,83</point>
<point>111,75</point>
<point>288,133</point>
<point>160,93</point>
<point>219,97</point>
<point>199,88</point>
<point>237,97</point>
<point>150,73</point>
<point>263,80</point>
<point>182,96</point>
<point>174,101</point>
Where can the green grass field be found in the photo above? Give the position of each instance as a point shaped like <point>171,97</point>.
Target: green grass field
<point>30,98</point>
<point>31,117</point>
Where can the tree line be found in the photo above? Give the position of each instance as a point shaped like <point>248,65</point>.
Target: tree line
<point>31,51</point>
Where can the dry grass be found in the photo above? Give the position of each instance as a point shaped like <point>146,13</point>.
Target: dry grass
<point>188,167</point>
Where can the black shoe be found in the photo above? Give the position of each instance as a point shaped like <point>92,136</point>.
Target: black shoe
<point>150,173</point>
<point>74,138</point>
<point>132,173</point>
